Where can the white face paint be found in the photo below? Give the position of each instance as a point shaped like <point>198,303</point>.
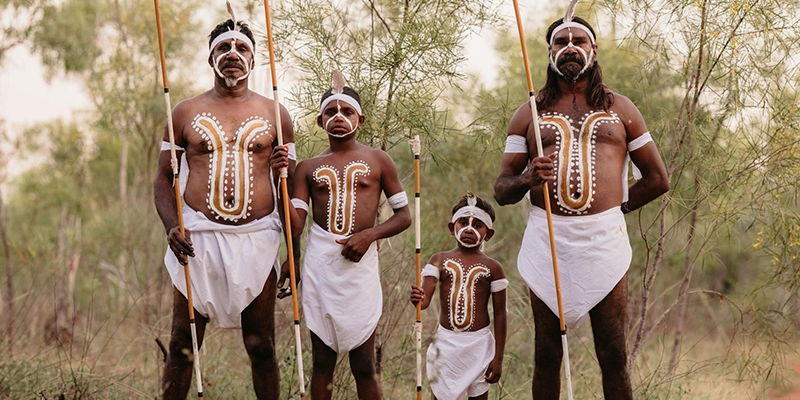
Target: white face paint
<point>588,59</point>
<point>231,81</point>
<point>347,120</point>
<point>475,231</point>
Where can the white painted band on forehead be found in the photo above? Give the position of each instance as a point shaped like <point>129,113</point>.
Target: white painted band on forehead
<point>473,211</point>
<point>571,24</point>
<point>342,97</point>
<point>231,35</point>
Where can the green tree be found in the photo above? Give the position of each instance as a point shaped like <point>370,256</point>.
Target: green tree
<point>112,46</point>
<point>717,85</point>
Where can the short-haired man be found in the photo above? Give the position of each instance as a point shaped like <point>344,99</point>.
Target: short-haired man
<point>227,138</point>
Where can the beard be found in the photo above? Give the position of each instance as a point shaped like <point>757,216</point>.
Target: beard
<point>571,65</point>
<point>230,81</point>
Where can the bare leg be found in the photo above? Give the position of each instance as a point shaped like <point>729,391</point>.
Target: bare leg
<point>324,360</point>
<point>608,327</point>
<point>362,364</point>
<point>484,396</point>
<point>258,333</point>
<point>177,376</point>
<point>547,352</point>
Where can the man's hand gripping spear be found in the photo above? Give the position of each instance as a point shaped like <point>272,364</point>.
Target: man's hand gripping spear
<point>287,217</point>
<point>176,184</point>
<point>535,121</point>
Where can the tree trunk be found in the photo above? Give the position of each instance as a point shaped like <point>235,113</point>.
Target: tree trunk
<point>9,280</point>
<point>686,281</point>
<point>59,328</point>
<point>123,169</point>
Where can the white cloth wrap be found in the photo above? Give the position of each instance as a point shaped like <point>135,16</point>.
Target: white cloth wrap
<point>342,300</point>
<point>516,144</point>
<point>231,264</point>
<point>300,205</point>
<point>475,212</point>
<point>499,285</point>
<point>397,200</point>
<point>571,24</point>
<point>457,361</point>
<point>165,146</point>
<point>292,150</point>
<point>228,36</point>
<point>342,97</point>
<point>594,253</point>
<point>430,270</point>
<point>633,145</point>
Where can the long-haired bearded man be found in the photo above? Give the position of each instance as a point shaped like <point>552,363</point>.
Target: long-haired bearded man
<point>589,135</point>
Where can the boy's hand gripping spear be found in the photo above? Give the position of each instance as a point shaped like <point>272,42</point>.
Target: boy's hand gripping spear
<point>287,217</point>
<point>546,192</point>
<point>176,184</point>
<point>415,144</point>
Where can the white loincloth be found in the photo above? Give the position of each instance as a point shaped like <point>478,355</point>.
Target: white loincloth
<point>457,362</point>
<point>342,300</point>
<point>593,251</point>
<point>231,264</point>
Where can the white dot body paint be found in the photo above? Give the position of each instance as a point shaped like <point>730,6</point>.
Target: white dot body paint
<point>576,151</point>
<point>341,195</point>
<point>339,114</point>
<point>462,292</point>
<point>230,170</point>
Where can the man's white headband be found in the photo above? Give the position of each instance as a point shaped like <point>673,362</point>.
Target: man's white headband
<point>228,36</point>
<point>341,97</point>
<point>571,24</point>
<point>475,212</point>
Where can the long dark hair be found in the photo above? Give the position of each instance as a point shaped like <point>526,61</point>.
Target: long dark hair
<point>598,95</point>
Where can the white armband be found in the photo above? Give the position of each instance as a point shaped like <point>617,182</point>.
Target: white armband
<point>430,270</point>
<point>292,151</point>
<point>165,146</point>
<point>398,200</point>
<point>640,141</point>
<point>499,285</point>
<point>516,144</point>
<point>300,205</point>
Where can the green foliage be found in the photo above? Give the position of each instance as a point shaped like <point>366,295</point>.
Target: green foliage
<point>17,20</point>
<point>400,57</point>
<point>727,125</point>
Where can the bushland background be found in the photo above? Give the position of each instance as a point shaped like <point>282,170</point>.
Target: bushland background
<point>713,287</point>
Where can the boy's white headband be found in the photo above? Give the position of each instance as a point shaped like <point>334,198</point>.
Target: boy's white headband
<point>571,24</point>
<point>231,35</point>
<point>342,97</point>
<point>473,211</point>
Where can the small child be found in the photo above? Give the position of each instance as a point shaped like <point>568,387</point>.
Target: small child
<point>464,357</point>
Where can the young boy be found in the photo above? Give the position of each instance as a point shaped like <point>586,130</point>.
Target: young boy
<point>464,358</point>
<point>342,299</point>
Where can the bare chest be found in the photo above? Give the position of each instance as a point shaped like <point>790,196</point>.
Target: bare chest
<point>340,185</point>
<point>235,155</point>
<point>580,140</point>
<point>464,284</point>
<point>231,138</point>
